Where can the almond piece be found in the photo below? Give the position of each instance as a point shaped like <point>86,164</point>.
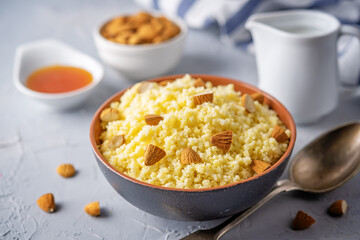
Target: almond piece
<point>222,140</point>
<point>248,103</point>
<point>145,86</point>
<point>116,141</point>
<point>109,114</point>
<point>258,97</point>
<point>279,134</point>
<point>199,83</point>
<point>93,209</point>
<point>302,221</point>
<point>134,39</point>
<point>153,154</point>
<point>259,166</point>
<point>203,97</point>
<point>189,156</point>
<point>338,208</point>
<point>153,119</point>
<point>165,82</point>
<point>66,170</point>
<point>47,202</point>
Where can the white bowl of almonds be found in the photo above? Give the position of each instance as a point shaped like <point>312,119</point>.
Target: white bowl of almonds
<point>141,46</point>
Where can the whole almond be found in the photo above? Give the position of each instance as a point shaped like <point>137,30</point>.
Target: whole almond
<point>258,97</point>
<point>66,170</point>
<point>153,119</point>
<point>189,156</point>
<point>302,221</point>
<point>116,141</point>
<point>199,83</point>
<point>203,97</point>
<point>338,208</point>
<point>145,86</point>
<point>109,114</point>
<point>93,209</point>
<point>279,134</point>
<point>153,154</point>
<point>47,202</point>
<point>259,166</point>
<point>248,103</point>
<point>222,140</point>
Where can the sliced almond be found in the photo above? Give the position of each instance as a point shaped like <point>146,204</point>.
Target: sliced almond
<point>153,154</point>
<point>258,97</point>
<point>153,119</point>
<point>338,208</point>
<point>93,209</point>
<point>222,140</point>
<point>203,97</point>
<point>145,86</point>
<point>116,141</point>
<point>302,221</point>
<point>66,170</point>
<point>199,83</point>
<point>279,134</point>
<point>109,114</point>
<point>165,82</point>
<point>259,166</point>
<point>248,103</point>
<point>47,202</point>
<point>189,156</point>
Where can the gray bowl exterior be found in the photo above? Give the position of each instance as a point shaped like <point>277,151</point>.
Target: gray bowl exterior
<point>196,205</point>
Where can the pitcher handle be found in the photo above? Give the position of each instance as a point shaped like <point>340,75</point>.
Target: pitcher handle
<point>348,90</point>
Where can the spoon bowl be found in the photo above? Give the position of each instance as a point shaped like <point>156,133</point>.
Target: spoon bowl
<point>329,161</point>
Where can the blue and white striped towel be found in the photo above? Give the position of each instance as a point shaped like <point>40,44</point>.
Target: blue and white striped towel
<point>231,15</point>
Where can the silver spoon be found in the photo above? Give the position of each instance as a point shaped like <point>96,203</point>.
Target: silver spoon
<point>323,165</point>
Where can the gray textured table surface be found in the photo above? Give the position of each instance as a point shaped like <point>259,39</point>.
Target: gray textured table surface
<point>34,142</point>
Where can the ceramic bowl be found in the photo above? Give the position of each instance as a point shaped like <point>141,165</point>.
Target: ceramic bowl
<point>139,62</point>
<point>196,204</point>
<point>31,56</point>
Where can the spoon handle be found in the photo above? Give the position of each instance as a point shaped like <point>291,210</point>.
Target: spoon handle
<point>285,185</point>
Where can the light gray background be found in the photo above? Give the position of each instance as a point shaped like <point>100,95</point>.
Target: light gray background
<point>34,142</point>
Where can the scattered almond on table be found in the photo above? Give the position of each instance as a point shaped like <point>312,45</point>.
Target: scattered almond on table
<point>338,208</point>
<point>47,202</point>
<point>302,221</point>
<point>66,170</point>
<point>93,209</point>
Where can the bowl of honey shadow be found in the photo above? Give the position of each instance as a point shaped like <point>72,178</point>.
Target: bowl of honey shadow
<point>55,75</point>
<point>141,45</point>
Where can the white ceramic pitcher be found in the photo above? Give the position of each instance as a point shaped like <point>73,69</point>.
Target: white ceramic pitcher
<point>296,55</point>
